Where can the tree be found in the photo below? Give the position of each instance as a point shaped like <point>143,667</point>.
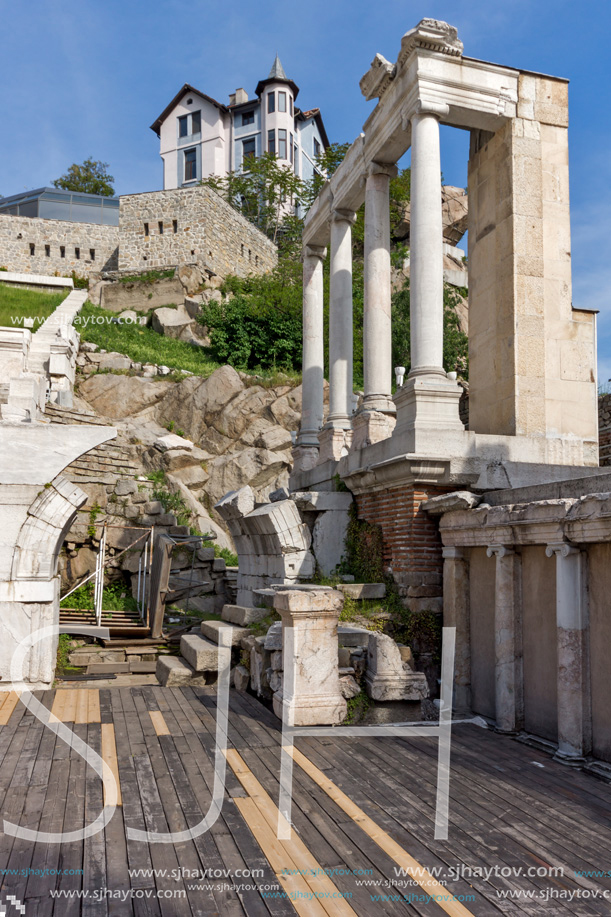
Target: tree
<point>91,177</point>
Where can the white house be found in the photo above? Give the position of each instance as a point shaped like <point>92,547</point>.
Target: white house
<point>200,137</point>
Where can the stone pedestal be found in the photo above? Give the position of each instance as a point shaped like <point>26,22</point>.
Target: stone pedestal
<point>508,639</point>
<point>370,427</point>
<point>334,444</point>
<point>456,613</point>
<point>305,457</point>
<point>388,677</point>
<point>310,694</point>
<point>574,704</point>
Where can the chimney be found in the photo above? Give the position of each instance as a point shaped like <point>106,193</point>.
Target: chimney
<point>232,99</point>
<point>241,96</point>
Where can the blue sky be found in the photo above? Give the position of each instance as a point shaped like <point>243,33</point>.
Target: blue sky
<point>89,77</point>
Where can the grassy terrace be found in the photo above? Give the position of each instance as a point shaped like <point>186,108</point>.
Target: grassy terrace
<point>16,304</point>
<point>143,344</point>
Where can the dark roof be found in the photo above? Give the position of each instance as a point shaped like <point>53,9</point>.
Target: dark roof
<point>36,193</point>
<point>156,125</point>
<point>314,113</point>
<point>277,75</point>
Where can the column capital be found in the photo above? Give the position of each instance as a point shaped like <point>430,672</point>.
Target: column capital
<point>315,251</point>
<point>341,215</point>
<point>499,550</point>
<point>428,107</point>
<point>382,168</point>
<point>452,552</point>
<point>562,549</point>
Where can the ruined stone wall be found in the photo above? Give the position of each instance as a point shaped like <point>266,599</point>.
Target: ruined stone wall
<point>190,225</point>
<point>604,429</point>
<point>412,546</point>
<point>32,245</point>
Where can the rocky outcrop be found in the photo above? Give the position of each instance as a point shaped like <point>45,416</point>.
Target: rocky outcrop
<point>454,214</point>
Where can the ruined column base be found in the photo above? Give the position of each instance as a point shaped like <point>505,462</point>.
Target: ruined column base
<point>315,710</point>
<point>334,444</point>
<point>569,759</point>
<point>305,458</point>
<point>370,427</point>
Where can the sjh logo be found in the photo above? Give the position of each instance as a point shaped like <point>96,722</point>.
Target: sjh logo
<point>13,906</point>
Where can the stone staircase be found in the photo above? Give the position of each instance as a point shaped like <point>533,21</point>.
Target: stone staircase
<point>198,662</point>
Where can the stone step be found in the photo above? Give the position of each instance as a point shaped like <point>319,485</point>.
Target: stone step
<point>211,629</point>
<point>174,671</point>
<point>242,614</point>
<point>363,591</point>
<point>201,654</point>
<point>142,668</point>
<point>107,668</point>
<point>353,636</point>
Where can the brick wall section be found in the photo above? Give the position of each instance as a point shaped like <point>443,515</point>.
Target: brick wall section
<point>604,429</point>
<point>412,546</point>
<point>208,231</point>
<point>17,234</point>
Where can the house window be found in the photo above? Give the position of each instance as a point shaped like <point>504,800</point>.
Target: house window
<point>146,229</point>
<point>271,142</point>
<point>92,254</point>
<point>32,249</point>
<point>47,251</point>
<point>248,117</point>
<point>174,226</point>
<point>183,126</point>
<point>62,251</point>
<point>160,224</point>
<point>196,122</point>
<point>248,149</point>
<point>77,254</point>
<point>190,165</point>
<point>292,148</point>
<point>291,104</point>
<point>316,148</point>
<point>271,102</point>
<point>282,101</point>
<point>282,144</point>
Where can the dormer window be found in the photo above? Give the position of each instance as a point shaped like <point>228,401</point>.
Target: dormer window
<point>316,148</point>
<point>248,117</point>
<point>282,101</point>
<point>271,102</point>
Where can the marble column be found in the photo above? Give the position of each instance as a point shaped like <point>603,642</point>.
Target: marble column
<point>509,684</point>
<point>574,704</point>
<point>377,345</point>
<point>427,404</point>
<point>457,613</point>
<point>336,436</point>
<point>306,450</point>
<point>310,694</point>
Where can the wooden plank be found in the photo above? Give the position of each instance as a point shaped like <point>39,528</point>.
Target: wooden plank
<point>109,754</point>
<point>295,849</point>
<point>69,715</point>
<point>93,706</point>
<point>82,706</point>
<point>9,703</point>
<point>94,848</point>
<point>161,727</point>
<point>452,907</point>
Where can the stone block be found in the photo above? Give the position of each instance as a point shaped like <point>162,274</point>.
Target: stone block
<point>241,678</point>
<point>173,671</point>
<point>276,660</point>
<point>273,638</point>
<point>201,654</point>
<point>123,488</point>
<point>211,630</point>
<point>353,636</point>
<point>388,678</point>
<point>363,591</point>
<point>343,656</point>
<point>242,615</point>
<point>349,686</point>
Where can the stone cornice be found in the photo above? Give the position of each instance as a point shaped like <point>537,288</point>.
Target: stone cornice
<point>431,35</point>
<point>378,78</point>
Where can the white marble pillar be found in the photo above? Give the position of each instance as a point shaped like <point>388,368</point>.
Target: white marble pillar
<point>574,704</point>
<point>426,245</point>
<point>306,450</point>
<point>456,613</point>
<point>336,435</point>
<point>509,692</point>
<point>377,345</point>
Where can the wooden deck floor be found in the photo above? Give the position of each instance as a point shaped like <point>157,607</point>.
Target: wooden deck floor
<point>512,810</point>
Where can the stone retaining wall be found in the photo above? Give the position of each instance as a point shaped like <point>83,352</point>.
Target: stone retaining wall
<point>33,245</point>
<point>198,226</point>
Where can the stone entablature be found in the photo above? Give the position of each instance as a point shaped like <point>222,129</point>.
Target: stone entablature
<point>198,227</point>
<point>96,246</point>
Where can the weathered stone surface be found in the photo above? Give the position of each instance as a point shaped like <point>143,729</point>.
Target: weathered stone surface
<point>193,477</point>
<point>190,277</point>
<point>388,678</point>
<point>448,503</point>
<point>173,323</point>
<point>172,441</point>
<point>257,468</point>
<point>241,678</point>
<point>113,361</point>
<point>191,404</point>
<point>173,671</point>
<point>353,636</point>
<point>211,630</point>
<point>200,653</point>
<point>121,396</point>
<point>273,638</point>
<point>349,686</point>
<point>363,591</point>
<point>242,615</point>
<point>276,660</point>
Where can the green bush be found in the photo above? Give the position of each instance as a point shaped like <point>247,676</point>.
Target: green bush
<point>364,546</point>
